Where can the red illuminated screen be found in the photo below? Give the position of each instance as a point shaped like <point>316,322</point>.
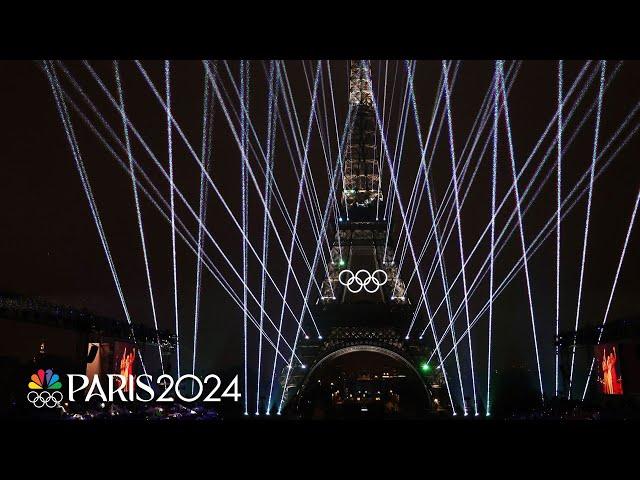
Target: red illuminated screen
<point>124,359</point>
<point>609,375</point>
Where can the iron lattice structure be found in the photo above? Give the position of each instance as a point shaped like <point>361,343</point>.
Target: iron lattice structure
<point>94,326</point>
<point>361,321</point>
<point>361,168</point>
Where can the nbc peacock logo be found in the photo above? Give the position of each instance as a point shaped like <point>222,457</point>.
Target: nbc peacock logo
<point>44,387</point>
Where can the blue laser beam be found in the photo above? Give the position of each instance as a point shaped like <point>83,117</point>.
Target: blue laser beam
<point>494,169</point>
<point>587,217</point>
<point>173,214</point>
<point>459,224</point>
<point>520,222</point>
<point>138,210</point>
<point>559,211</point>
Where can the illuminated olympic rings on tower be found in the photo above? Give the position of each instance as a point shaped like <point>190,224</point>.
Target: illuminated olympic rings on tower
<point>362,279</point>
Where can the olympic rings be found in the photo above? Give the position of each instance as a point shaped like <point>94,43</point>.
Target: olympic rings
<point>40,399</point>
<point>363,281</point>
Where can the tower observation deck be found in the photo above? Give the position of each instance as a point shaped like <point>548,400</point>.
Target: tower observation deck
<point>363,305</point>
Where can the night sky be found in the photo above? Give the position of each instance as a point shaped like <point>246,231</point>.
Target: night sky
<point>49,247</point>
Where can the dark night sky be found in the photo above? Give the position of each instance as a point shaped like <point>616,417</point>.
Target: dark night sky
<point>49,246</point>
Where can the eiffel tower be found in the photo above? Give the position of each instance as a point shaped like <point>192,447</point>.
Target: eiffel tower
<point>363,305</point>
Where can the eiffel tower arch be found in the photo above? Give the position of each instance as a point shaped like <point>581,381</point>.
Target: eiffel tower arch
<point>363,307</point>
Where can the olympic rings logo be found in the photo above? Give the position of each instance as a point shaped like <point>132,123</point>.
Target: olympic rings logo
<point>40,399</point>
<point>362,279</point>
